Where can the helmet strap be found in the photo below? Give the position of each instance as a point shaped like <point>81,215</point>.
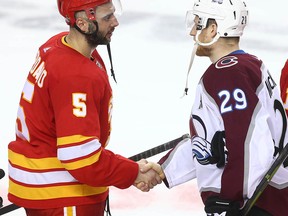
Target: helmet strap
<point>189,68</point>
<point>206,44</point>
<point>108,47</point>
<point>82,32</point>
<point>197,43</point>
<point>110,58</point>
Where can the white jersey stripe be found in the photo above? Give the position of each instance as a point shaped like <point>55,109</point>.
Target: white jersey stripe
<point>40,178</point>
<point>68,153</point>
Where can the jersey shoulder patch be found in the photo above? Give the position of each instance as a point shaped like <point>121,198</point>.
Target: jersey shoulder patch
<point>227,61</point>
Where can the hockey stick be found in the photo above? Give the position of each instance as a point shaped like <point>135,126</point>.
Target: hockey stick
<point>265,181</point>
<point>8,208</point>
<point>158,149</point>
<point>145,154</point>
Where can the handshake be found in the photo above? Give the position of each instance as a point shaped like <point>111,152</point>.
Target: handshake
<point>149,175</point>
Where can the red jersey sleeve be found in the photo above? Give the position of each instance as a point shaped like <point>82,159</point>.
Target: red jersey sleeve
<point>284,86</point>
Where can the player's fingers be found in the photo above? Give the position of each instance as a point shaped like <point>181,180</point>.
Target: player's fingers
<point>145,188</point>
<point>162,175</point>
<point>143,161</point>
<point>142,186</point>
<point>145,168</point>
<point>154,181</point>
<point>158,179</point>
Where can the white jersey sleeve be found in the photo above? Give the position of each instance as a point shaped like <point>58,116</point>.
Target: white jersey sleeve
<point>178,164</point>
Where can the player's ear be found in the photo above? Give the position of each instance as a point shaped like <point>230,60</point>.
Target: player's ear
<point>82,24</point>
<point>213,29</point>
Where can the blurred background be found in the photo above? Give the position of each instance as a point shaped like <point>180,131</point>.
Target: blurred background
<point>151,52</point>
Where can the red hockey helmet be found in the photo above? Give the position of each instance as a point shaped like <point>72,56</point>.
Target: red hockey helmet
<point>67,8</point>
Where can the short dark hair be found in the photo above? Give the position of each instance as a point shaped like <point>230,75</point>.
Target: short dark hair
<point>210,22</point>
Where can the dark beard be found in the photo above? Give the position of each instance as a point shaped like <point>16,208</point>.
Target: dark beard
<point>95,37</point>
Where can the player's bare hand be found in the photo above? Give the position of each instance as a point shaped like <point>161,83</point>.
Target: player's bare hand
<point>154,166</point>
<point>150,174</point>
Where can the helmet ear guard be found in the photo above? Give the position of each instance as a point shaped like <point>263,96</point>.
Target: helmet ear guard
<point>91,13</point>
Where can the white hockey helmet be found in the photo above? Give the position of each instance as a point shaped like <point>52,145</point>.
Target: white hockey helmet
<point>231,15</point>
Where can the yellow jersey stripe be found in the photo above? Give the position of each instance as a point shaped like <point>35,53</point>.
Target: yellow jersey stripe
<point>32,163</point>
<point>54,192</point>
<point>69,211</point>
<point>49,163</point>
<point>73,139</point>
<point>82,163</point>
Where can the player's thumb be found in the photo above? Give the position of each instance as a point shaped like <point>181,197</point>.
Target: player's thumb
<point>146,167</point>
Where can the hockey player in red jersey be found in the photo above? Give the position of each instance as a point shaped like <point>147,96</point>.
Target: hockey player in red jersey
<point>284,85</point>
<point>238,124</point>
<point>58,164</point>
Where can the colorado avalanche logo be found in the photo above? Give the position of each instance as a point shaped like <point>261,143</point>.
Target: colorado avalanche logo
<point>201,149</point>
<point>227,61</point>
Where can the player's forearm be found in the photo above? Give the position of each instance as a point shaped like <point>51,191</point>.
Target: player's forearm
<point>178,166</point>
<point>109,170</point>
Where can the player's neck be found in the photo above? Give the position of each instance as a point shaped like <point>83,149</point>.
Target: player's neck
<point>79,43</point>
<point>222,49</point>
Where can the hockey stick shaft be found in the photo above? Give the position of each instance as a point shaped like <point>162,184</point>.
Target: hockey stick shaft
<point>158,149</point>
<point>8,208</point>
<point>265,181</point>
<point>145,154</point>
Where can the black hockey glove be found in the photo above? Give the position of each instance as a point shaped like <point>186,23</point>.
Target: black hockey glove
<point>219,154</point>
<point>216,205</point>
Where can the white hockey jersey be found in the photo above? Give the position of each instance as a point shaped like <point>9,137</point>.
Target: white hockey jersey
<point>237,95</point>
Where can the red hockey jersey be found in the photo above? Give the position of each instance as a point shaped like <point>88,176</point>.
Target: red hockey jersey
<point>284,86</point>
<point>63,125</point>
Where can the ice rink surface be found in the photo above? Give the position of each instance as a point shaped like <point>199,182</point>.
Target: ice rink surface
<point>151,52</point>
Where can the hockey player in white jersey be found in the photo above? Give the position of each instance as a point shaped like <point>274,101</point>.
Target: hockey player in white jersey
<point>238,124</point>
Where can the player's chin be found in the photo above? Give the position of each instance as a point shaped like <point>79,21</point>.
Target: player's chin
<point>106,40</point>
<point>108,36</point>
